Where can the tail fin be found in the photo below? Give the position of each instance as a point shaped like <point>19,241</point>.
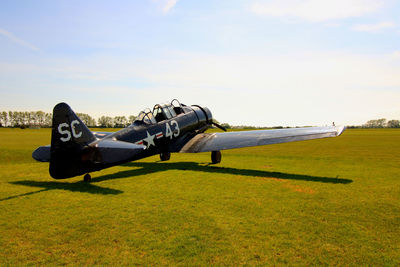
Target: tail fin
<point>68,139</point>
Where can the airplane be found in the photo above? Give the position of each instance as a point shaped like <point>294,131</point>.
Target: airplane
<point>168,128</point>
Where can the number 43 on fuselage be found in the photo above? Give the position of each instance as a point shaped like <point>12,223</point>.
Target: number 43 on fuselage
<point>168,128</point>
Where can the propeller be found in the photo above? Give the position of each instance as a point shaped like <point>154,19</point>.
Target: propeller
<point>218,126</point>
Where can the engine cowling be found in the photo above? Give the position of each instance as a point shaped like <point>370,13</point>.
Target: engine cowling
<point>203,114</point>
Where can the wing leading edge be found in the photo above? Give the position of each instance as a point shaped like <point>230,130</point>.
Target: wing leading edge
<point>207,142</point>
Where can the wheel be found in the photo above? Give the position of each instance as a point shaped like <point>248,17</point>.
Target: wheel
<point>87,178</point>
<point>164,156</point>
<point>216,157</point>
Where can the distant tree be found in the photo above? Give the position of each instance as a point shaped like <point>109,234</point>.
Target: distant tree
<point>87,119</point>
<point>370,124</point>
<point>32,118</point>
<point>393,124</point>
<point>11,118</point>
<point>40,118</point>
<point>131,119</point>
<point>23,118</point>
<point>4,118</point>
<point>120,121</point>
<point>48,118</point>
<point>380,123</point>
<point>105,122</point>
<point>29,118</point>
<point>18,118</point>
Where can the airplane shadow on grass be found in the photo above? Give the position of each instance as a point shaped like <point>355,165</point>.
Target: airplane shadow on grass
<point>146,168</point>
<point>149,168</point>
<point>79,186</point>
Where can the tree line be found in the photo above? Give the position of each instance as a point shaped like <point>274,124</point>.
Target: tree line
<point>41,119</point>
<point>24,119</point>
<point>382,123</point>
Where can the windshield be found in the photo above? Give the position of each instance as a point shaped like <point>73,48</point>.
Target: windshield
<point>145,116</point>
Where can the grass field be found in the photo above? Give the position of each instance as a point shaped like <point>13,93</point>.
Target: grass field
<point>332,201</point>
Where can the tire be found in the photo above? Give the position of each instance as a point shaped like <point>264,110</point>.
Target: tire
<point>165,156</point>
<point>216,157</point>
<point>87,178</point>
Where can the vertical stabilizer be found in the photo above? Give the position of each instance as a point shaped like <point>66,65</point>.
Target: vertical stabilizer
<point>68,139</point>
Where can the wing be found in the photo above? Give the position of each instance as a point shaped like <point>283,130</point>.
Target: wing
<point>206,142</point>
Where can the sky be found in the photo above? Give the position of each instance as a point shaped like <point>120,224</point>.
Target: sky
<point>251,62</point>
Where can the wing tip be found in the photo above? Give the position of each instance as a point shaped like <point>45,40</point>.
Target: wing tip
<point>340,130</point>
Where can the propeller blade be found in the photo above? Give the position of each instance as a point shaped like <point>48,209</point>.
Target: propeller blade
<point>218,126</point>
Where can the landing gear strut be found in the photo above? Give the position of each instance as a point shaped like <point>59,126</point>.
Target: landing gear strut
<point>164,156</point>
<point>216,157</point>
<point>87,178</point>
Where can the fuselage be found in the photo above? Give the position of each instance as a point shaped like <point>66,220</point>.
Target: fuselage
<point>166,135</point>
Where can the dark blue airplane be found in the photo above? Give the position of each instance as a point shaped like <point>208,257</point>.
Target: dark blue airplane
<point>168,128</point>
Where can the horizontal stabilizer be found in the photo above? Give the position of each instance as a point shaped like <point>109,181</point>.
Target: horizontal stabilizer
<point>206,142</point>
<point>110,151</point>
<point>42,154</point>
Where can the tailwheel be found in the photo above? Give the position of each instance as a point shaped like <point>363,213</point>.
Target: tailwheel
<point>164,156</point>
<point>216,157</point>
<point>87,178</point>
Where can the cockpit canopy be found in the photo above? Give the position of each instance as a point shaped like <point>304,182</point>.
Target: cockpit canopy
<point>145,116</point>
<point>160,113</point>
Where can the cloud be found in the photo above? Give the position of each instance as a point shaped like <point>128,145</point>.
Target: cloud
<point>374,28</point>
<point>17,40</point>
<point>316,10</point>
<point>396,54</point>
<point>168,5</point>
<point>165,5</point>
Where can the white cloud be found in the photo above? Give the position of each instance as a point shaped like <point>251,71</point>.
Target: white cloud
<point>168,5</point>
<point>17,40</point>
<point>316,10</point>
<point>374,28</point>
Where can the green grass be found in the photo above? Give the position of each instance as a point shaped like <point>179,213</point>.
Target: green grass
<point>322,202</point>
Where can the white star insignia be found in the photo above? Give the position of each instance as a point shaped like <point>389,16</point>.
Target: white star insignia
<point>149,139</point>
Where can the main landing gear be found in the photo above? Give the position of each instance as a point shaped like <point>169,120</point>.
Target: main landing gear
<point>216,157</point>
<point>164,156</point>
<point>87,178</point>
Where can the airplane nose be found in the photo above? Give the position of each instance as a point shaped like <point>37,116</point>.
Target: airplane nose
<point>208,114</point>
<point>203,114</point>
